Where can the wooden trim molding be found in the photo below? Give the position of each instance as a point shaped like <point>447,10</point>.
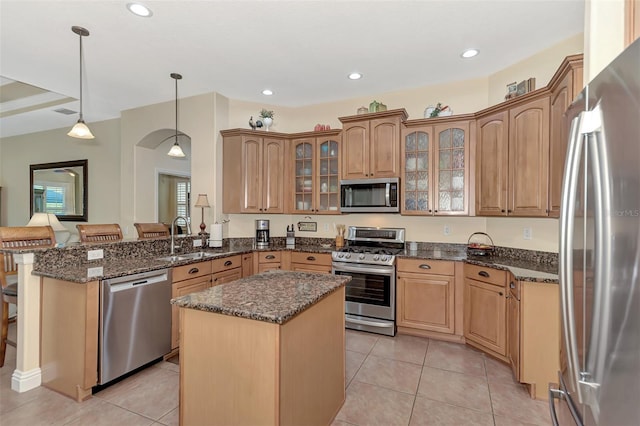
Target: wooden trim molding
<point>631,21</point>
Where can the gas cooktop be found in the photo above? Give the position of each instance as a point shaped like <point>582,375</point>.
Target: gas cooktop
<point>375,246</point>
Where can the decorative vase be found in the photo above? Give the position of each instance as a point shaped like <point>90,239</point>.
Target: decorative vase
<point>267,122</point>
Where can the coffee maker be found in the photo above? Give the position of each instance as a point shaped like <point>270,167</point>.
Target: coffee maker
<point>262,233</point>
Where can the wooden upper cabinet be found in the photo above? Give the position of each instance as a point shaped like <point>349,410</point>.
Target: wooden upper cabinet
<point>631,21</point>
<point>514,143</point>
<point>371,145</point>
<point>315,167</point>
<point>565,86</point>
<point>492,162</point>
<point>253,172</point>
<point>435,168</point>
<point>529,158</point>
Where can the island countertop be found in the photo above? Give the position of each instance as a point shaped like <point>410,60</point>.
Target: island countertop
<point>275,296</point>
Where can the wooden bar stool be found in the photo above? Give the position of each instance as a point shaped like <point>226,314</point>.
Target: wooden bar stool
<point>151,230</point>
<point>99,233</point>
<point>18,237</point>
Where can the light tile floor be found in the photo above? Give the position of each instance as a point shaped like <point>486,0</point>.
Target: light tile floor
<point>390,381</point>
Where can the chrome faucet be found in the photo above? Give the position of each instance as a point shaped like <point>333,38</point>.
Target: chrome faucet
<point>173,226</point>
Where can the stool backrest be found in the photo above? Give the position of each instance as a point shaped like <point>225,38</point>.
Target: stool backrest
<point>99,233</point>
<point>21,237</point>
<point>151,230</point>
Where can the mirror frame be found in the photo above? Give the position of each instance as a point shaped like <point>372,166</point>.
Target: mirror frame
<point>84,217</point>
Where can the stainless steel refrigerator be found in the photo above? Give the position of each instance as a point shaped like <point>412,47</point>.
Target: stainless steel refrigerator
<point>599,381</point>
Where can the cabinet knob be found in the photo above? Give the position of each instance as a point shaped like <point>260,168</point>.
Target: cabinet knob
<point>502,211</point>
<point>436,211</point>
<point>194,270</point>
<point>501,294</point>
<point>483,274</point>
<point>228,263</point>
<point>215,279</point>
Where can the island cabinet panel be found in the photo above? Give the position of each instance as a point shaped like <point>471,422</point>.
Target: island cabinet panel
<point>371,145</point>
<point>485,309</point>
<point>69,337</point>
<point>245,372</point>
<point>253,172</point>
<point>311,262</point>
<point>427,300</point>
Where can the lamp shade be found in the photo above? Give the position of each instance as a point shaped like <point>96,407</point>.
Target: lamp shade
<point>175,151</point>
<point>50,219</point>
<point>80,131</point>
<point>202,201</point>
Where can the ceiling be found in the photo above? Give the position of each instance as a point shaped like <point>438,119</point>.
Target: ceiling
<point>302,50</point>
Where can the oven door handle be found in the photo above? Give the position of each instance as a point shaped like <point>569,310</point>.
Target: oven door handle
<point>370,323</point>
<point>365,269</point>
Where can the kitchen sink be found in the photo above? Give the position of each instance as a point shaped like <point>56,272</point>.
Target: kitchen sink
<point>187,256</point>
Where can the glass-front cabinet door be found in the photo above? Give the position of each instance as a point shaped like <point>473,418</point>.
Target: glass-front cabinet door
<point>452,177</point>
<point>417,167</point>
<point>435,169</point>
<point>316,175</point>
<point>328,177</point>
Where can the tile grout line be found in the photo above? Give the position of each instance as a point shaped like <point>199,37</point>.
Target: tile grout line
<point>415,397</point>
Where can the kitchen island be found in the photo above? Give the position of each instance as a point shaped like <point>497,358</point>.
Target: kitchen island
<point>263,350</point>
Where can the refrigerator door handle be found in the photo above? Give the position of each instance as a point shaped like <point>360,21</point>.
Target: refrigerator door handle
<point>553,395</point>
<point>567,211</point>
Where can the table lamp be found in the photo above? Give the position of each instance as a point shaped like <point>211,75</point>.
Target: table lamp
<point>202,202</point>
<point>50,219</point>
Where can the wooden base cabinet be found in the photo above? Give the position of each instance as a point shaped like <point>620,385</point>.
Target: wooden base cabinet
<point>187,279</point>
<point>226,269</point>
<point>485,310</point>
<point>513,328</point>
<point>311,262</point>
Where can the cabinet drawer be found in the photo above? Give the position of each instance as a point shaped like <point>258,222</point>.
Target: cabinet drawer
<point>191,271</point>
<point>269,257</point>
<point>226,263</point>
<point>434,267</point>
<point>486,275</point>
<point>311,258</point>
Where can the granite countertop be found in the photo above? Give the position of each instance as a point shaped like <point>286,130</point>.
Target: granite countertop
<point>523,269</point>
<point>275,296</point>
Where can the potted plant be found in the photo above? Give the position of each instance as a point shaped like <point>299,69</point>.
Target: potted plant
<point>267,118</point>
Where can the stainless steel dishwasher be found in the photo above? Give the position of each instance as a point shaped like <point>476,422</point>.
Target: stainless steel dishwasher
<point>135,322</point>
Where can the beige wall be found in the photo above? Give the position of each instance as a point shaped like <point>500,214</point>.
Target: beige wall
<point>542,66</point>
<point>102,153</point>
<point>604,39</point>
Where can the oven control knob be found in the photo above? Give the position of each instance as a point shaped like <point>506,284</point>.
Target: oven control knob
<point>384,258</point>
<point>376,257</point>
<point>340,256</point>
<point>361,257</point>
<point>347,256</point>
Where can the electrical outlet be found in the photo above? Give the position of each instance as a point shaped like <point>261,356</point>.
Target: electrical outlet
<point>447,230</point>
<point>326,227</point>
<point>94,272</point>
<point>197,243</point>
<point>95,254</point>
<point>527,234</point>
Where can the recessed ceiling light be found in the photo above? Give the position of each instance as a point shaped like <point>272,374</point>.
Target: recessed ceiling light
<point>355,76</point>
<point>267,92</point>
<point>139,10</point>
<point>469,53</point>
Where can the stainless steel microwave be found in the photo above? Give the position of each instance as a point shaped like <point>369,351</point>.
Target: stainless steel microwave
<point>370,195</point>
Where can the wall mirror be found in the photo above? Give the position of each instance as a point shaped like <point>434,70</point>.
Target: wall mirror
<point>61,189</point>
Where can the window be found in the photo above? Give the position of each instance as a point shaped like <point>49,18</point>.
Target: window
<point>183,196</point>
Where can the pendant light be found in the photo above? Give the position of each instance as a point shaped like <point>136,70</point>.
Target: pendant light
<point>175,150</point>
<point>80,130</point>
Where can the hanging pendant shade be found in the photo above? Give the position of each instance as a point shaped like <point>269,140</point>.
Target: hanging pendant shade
<point>80,129</point>
<point>175,150</point>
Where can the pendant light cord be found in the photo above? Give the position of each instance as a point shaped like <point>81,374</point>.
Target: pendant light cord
<point>81,117</point>
<point>176,78</point>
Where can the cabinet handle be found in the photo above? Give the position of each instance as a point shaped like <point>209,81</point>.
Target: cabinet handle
<point>501,294</point>
<point>424,266</point>
<point>194,270</point>
<point>483,274</point>
<point>311,258</point>
<point>215,279</point>
<point>512,285</point>
<point>429,210</point>
<point>228,263</point>
<point>436,211</point>
<point>270,256</point>
<point>502,211</point>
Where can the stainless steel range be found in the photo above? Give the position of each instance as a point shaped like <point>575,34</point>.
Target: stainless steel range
<point>369,258</point>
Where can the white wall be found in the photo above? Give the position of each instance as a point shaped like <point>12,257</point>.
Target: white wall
<point>604,34</point>
<point>102,153</point>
